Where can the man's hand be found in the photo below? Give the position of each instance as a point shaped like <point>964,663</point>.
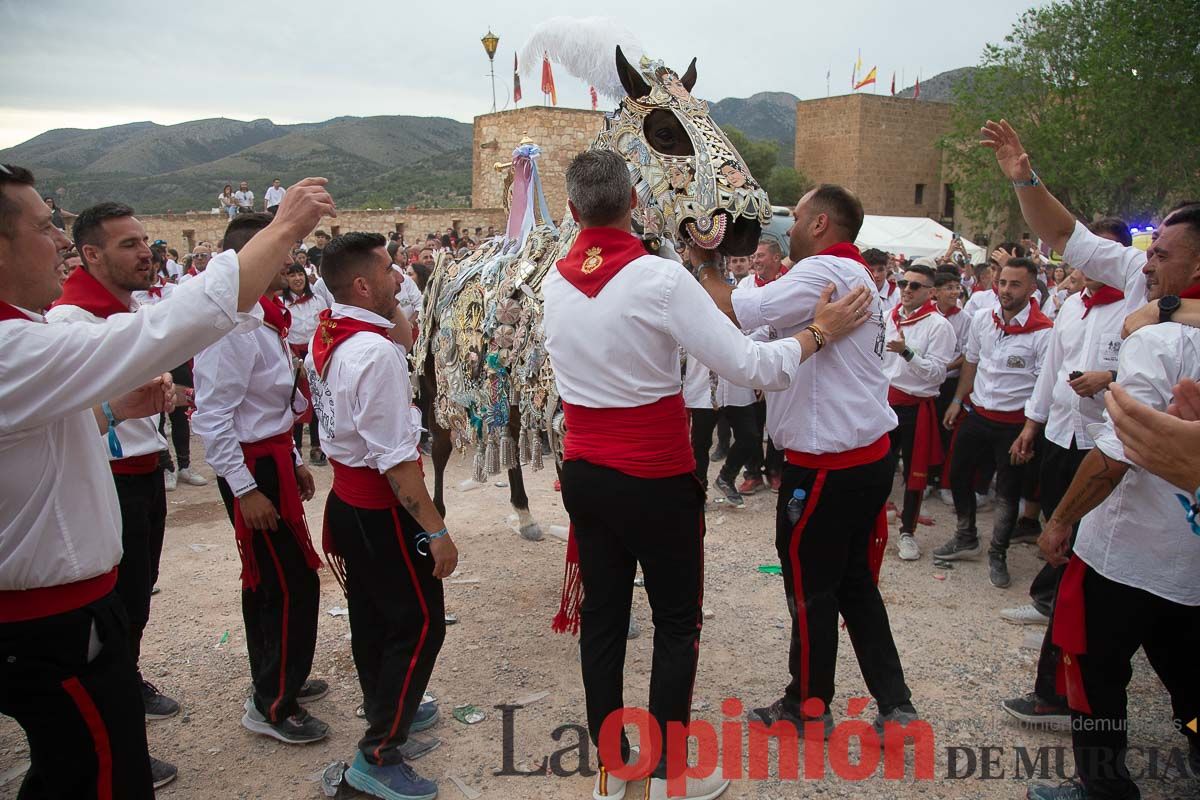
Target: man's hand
<point>303,206</point>
<point>1187,401</point>
<point>950,420</point>
<point>1089,384</point>
<point>1021,451</point>
<point>258,511</point>
<point>445,556</point>
<point>1055,542</point>
<point>841,316</point>
<point>1011,157</point>
<point>1146,315</point>
<point>304,478</point>
<point>897,345</point>
<point>1166,444</point>
<point>1002,257</point>
<point>151,399</point>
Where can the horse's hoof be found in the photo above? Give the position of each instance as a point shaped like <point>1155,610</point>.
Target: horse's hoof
<point>532,532</point>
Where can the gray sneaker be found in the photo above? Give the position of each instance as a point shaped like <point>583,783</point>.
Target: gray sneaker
<point>300,728</point>
<point>958,547</point>
<point>998,572</point>
<point>732,496</point>
<point>162,772</point>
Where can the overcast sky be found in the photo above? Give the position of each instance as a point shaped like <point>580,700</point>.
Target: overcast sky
<point>91,63</point>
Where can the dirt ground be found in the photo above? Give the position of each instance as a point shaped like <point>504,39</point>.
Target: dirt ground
<point>960,659</point>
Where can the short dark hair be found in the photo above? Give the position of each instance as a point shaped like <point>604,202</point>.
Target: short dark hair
<point>345,256</point>
<point>771,243</point>
<point>1113,226</point>
<point>922,270</point>
<point>1023,263</point>
<point>942,277</point>
<point>844,209</point>
<point>875,257</point>
<point>1186,215</point>
<point>598,186</point>
<point>392,247</point>
<point>949,269</point>
<point>242,228</point>
<point>9,211</point>
<point>88,226</point>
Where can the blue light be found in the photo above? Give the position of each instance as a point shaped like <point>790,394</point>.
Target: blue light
<point>1134,230</point>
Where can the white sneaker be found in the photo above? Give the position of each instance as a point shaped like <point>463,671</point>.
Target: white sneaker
<point>191,478</point>
<point>609,786</point>
<point>946,496</point>
<point>169,480</point>
<point>1024,615</point>
<point>907,547</point>
<point>697,788</point>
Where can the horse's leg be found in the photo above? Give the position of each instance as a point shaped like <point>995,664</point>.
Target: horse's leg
<point>516,488</point>
<point>440,446</point>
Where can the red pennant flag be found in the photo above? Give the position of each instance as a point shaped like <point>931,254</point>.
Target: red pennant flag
<point>548,80</point>
<point>917,89</point>
<point>893,84</point>
<point>595,99</point>
<point>516,81</point>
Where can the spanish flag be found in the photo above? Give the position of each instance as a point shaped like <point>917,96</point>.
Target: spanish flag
<point>867,81</point>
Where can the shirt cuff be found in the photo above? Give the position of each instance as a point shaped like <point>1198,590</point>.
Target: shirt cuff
<point>1106,441</point>
<point>240,481</point>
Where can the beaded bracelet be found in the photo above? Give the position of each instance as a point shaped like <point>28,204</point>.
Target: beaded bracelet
<point>818,336</point>
<point>1191,508</point>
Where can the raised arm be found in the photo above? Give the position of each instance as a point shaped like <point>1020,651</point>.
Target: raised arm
<point>1047,217</point>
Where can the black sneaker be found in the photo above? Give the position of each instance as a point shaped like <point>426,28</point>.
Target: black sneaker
<point>777,713</point>
<point>901,715</point>
<point>158,705</point>
<point>1034,711</point>
<point>161,772</point>
<point>732,496</point>
<point>998,572</point>
<point>958,547</point>
<point>1026,530</point>
<point>300,728</point>
<point>718,454</point>
<point>312,690</point>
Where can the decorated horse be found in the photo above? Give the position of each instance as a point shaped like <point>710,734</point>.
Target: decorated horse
<point>481,355</point>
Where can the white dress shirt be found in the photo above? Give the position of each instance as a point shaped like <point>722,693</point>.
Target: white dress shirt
<point>145,298</point>
<point>932,342</point>
<point>1079,344</point>
<point>889,296</point>
<point>982,300</point>
<point>698,391</point>
<point>1139,536</point>
<point>1008,365</point>
<point>59,518</point>
<point>173,268</point>
<point>961,322</point>
<point>364,403</point>
<point>138,437</point>
<point>322,291</point>
<point>244,393</point>
<point>409,298</point>
<point>244,199</point>
<point>620,349</point>
<point>274,196</point>
<point>838,400</point>
<point>1109,262</point>
<point>304,319</point>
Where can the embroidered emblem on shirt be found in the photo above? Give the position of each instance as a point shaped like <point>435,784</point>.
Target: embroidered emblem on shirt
<point>593,261</point>
<point>1015,362</point>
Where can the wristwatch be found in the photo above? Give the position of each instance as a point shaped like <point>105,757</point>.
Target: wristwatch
<point>1167,306</point>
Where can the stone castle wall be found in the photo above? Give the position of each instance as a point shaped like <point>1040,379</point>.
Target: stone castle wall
<point>560,132</point>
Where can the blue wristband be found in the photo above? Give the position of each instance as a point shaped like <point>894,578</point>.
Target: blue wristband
<point>437,534</point>
<point>1191,509</point>
<point>114,443</point>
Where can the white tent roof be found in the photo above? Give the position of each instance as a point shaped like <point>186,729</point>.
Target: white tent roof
<point>912,236</point>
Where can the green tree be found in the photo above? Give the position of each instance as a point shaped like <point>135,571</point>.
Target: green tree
<point>1103,94</point>
<point>760,155</point>
<point>785,186</point>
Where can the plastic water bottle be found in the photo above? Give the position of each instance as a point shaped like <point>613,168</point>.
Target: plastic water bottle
<point>795,506</point>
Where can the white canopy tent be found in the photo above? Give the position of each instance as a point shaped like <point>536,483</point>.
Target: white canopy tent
<point>912,236</point>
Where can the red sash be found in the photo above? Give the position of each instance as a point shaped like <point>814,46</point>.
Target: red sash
<point>1069,633</point>
<point>596,256</point>
<point>1003,417</point>
<point>361,487</point>
<point>300,351</point>
<point>9,311</point>
<point>927,442</point>
<point>291,509</point>
<point>1037,321</point>
<point>18,605</point>
<point>921,313</point>
<point>866,454</point>
<point>650,441</point>
<point>1101,297</point>
<point>333,331</point>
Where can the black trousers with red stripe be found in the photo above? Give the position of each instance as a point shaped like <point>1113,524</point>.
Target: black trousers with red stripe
<point>621,521</point>
<point>397,618</point>
<point>143,501</point>
<point>826,573</point>
<point>84,718</point>
<point>981,442</point>
<point>1119,619</point>
<point>902,447</point>
<point>280,614</point>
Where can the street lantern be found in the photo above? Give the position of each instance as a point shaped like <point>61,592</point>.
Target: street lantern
<point>490,42</point>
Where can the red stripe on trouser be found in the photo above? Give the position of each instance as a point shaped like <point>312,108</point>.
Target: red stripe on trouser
<point>699,616</point>
<point>412,665</point>
<point>283,648</point>
<point>798,584</point>
<point>99,731</point>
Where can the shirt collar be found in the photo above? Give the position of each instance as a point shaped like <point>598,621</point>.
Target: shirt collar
<point>360,314</point>
<point>1019,319</point>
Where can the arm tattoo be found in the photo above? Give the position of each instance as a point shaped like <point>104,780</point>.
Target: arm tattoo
<point>1093,483</point>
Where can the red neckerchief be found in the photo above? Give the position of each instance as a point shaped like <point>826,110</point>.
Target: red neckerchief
<point>596,256</point>
<point>9,311</point>
<point>891,288</point>
<point>155,291</point>
<point>953,310</point>
<point>304,298</point>
<point>845,250</point>
<point>759,282</point>
<point>275,315</point>
<point>1191,293</point>
<point>332,332</point>
<point>921,313</point>
<point>83,290</point>
<point>1101,297</point>
<point>192,271</point>
<point>1037,321</point>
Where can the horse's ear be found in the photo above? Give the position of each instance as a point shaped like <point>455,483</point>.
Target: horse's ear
<point>689,78</point>
<point>635,85</point>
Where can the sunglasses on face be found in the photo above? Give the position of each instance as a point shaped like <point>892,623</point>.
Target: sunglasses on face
<point>914,285</point>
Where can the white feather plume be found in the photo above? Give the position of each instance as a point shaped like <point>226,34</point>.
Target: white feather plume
<point>585,47</point>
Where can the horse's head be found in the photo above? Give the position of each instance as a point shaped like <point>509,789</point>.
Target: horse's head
<point>691,182</point>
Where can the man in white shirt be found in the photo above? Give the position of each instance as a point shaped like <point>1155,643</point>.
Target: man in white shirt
<point>627,437</point>
<point>885,285</point>
<point>1004,357</point>
<point>244,198</point>
<point>246,407</point>
<point>833,422</point>
<point>384,538</point>
<point>947,293</point>
<point>112,244</point>
<point>66,674</point>
<point>920,343</point>
<point>273,196</point>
